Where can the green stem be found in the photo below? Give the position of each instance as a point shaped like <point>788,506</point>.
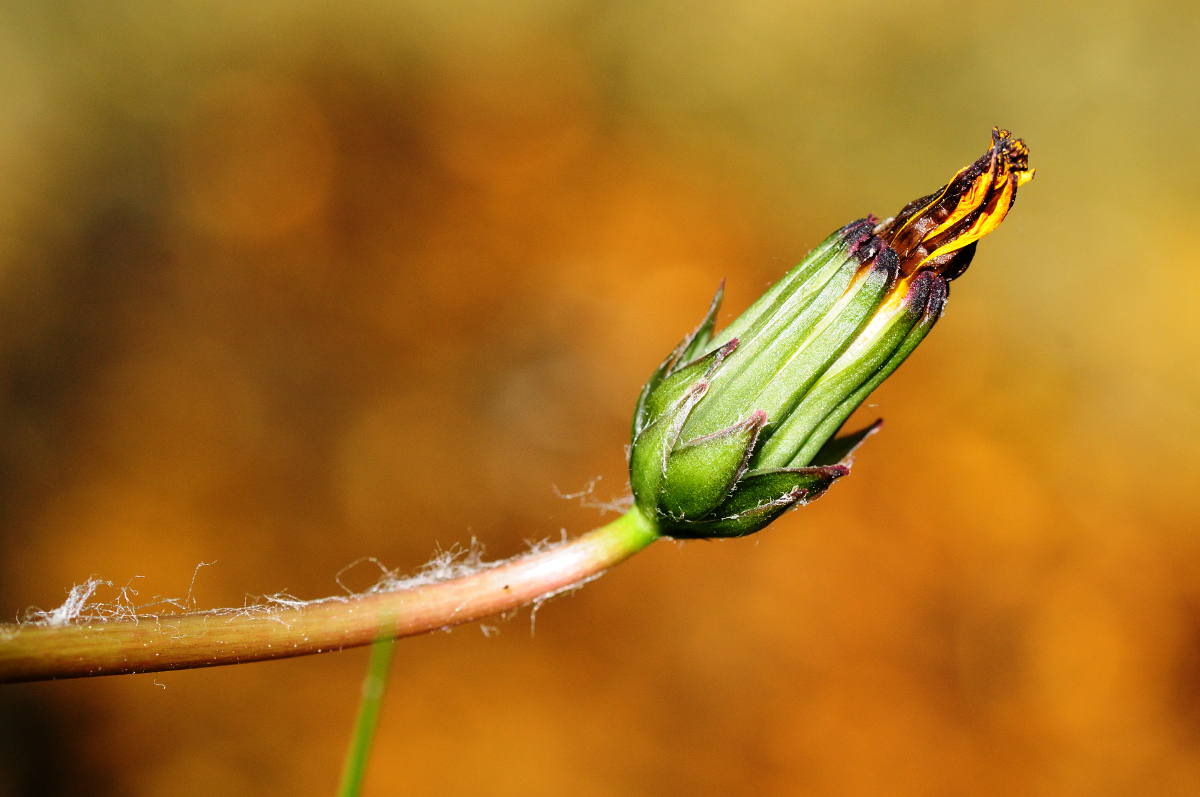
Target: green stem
<point>368,718</point>
<point>153,643</point>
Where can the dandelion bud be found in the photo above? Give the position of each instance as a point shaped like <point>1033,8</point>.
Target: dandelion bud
<point>735,428</point>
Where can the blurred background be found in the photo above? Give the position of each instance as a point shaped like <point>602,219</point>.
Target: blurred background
<point>287,284</point>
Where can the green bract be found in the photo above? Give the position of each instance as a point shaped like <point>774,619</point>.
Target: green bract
<point>733,429</point>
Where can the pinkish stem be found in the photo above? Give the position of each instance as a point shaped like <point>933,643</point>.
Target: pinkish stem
<point>37,652</point>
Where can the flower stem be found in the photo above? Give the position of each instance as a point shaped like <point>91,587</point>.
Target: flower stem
<point>150,643</point>
<point>368,718</point>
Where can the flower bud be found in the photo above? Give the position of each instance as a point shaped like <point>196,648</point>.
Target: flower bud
<point>735,428</point>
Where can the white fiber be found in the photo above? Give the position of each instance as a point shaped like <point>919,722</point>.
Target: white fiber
<point>457,562</point>
<point>587,498</point>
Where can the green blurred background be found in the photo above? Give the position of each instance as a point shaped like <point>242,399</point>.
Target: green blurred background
<point>285,284</point>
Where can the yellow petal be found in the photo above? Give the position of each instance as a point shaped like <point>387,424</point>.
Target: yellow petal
<point>989,220</point>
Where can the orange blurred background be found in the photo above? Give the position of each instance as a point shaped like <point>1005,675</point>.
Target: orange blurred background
<point>283,285</point>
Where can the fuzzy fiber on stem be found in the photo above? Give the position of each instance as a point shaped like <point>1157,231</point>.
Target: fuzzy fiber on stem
<point>38,652</point>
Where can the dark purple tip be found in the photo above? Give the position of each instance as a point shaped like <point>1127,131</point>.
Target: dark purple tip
<point>919,290</point>
<point>887,260</point>
<point>857,233</point>
<point>939,291</point>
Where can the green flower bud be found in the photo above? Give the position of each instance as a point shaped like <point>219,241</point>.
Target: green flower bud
<point>735,428</point>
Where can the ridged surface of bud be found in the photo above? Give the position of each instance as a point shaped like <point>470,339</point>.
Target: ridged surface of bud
<point>733,429</point>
